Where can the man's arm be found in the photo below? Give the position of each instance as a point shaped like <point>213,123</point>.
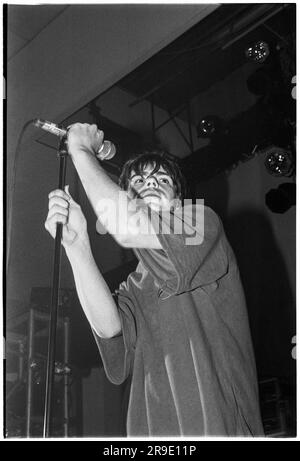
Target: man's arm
<point>93,292</point>
<point>104,195</point>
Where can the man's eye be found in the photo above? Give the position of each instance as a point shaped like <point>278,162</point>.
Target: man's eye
<point>165,180</point>
<point>138,181</point>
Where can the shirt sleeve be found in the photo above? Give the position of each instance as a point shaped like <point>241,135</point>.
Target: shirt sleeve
<point>117,353</point>
<point>192,254</point>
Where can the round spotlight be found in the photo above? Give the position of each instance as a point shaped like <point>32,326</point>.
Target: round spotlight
<point>209,126</point>
<point>279,162</point>
<point>281,199</point>
<point>206,128</point>
<point>258,52</point>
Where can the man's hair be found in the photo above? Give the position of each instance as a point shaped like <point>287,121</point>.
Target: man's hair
<point>157,159</point>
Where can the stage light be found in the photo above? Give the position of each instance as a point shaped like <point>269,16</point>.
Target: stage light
<point>258,52</point>
<point>281,199</point>
<point>209,126</point>
<point>279,162</point>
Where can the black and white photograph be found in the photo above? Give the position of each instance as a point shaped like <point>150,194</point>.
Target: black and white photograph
<point>149,251</point>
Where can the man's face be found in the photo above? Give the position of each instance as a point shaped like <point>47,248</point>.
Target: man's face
<point>156,189</point>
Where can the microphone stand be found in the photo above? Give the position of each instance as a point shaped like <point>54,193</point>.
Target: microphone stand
<point>62,155</point>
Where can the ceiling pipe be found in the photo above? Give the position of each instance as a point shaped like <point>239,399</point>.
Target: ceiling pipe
<point>250,17</point>
<point>254,26</point>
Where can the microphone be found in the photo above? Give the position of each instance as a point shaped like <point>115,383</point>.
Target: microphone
<point>106,151</point>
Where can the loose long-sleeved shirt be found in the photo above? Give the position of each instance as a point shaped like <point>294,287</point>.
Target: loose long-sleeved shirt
<point>185,335</point>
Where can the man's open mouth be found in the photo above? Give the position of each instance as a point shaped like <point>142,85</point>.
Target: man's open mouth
<point>151,194</point>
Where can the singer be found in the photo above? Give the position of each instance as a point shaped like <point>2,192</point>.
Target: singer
<point>179,324</point>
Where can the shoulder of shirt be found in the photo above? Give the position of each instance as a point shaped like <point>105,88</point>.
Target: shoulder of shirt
<point>209,213</point>
<point>199,217</point>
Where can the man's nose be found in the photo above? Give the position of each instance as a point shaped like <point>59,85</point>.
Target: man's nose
<point>151,182</point>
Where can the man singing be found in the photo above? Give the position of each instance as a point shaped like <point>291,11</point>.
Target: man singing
<point>178,326</point>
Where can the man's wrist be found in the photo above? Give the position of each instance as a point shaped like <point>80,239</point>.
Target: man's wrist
<point>81,152</point>
<point>78,249</point>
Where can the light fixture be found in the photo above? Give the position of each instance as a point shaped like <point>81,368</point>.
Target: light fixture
<point>279,162</point>
<point>281,199</point>
<point>209,126</point>
<point>258,52</point>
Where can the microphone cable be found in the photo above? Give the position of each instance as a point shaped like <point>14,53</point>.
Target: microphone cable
<point>11,192</point>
